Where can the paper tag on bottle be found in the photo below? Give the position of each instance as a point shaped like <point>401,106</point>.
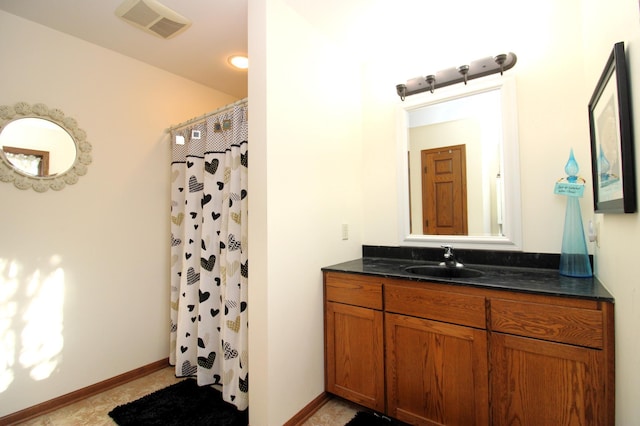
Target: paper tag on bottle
<point>569,189</point>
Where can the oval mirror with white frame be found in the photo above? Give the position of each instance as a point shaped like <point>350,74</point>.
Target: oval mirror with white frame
<point>459,167</point>
<point>41,148</point>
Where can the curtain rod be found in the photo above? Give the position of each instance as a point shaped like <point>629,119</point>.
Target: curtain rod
<point>203,116</point>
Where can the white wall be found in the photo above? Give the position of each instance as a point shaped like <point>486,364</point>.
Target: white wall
<point>546,37</point>
<point>323,150</point>
<point>307,160</point>
<point>558,64</point>
<point>106,309</point>
<point>606,23</point>
<point>562,48</point>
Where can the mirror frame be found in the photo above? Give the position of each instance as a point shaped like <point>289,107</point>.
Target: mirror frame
<point>22,180</point>
<point>512,238</point>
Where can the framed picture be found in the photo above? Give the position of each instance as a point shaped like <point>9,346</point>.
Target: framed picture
<point>612,158</point>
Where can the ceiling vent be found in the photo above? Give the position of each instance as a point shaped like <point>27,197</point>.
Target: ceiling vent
<point>153,17</point>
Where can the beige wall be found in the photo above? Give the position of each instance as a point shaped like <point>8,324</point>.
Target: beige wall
<point>323,144</point>
<point>559,60</point>
<point>84,271</point>
<point>606,23</point>
<point>305,180</point>
<point>562,48</point>
<point>551,111</point>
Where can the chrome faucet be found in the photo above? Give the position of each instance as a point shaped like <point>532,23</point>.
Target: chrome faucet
<point>449,258</point>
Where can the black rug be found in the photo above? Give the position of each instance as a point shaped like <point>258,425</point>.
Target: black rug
<point>365,418</point>
<point>184,403</point>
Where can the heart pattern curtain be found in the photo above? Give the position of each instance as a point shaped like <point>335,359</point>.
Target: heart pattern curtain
<point>209,264</point>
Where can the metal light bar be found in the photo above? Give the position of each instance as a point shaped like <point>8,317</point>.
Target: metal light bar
<point>476,69</point>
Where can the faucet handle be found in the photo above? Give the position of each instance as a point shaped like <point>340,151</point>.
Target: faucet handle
<point>448,250</point>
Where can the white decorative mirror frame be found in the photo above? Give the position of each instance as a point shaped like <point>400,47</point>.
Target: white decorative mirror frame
<point>511,237</point>
<point>56,181</point>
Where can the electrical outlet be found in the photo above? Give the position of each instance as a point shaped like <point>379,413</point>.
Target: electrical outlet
<point>345,231</point>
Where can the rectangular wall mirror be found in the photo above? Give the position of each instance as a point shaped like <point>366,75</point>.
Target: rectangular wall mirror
<point>458,159</point>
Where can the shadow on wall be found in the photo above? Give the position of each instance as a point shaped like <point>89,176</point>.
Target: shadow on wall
<point>31,319</point>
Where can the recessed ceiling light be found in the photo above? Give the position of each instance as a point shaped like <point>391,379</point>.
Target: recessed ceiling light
<point>240,62</point>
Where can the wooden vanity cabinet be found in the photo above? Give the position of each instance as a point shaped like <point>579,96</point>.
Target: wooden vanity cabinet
<point>463,355</point>
<point>436,355</point>
<point>552,362</point>
<point>354,347</point>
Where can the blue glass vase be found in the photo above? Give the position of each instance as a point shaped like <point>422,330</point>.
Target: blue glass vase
<point>574,258</point>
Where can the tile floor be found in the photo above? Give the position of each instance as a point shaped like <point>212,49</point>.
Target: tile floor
<point>94,410</point>
<point>336,412</point>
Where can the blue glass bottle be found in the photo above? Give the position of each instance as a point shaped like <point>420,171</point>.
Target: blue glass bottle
<point>574,258</point>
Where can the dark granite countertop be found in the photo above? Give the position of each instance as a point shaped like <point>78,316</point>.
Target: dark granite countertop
<point>524,279</point>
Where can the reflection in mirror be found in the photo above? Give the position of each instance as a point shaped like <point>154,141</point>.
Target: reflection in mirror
<point>460,160</point>
<point>30,161</point>
<point>37,146</point>
<point>449,195</point>
<point>41,148</point>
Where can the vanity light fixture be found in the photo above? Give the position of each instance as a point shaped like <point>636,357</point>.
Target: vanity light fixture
<point>475,69</point>
<point>239,62</point>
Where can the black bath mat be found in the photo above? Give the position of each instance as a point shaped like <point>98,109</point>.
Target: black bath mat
<point>184,403</point>
<point>366,418</point>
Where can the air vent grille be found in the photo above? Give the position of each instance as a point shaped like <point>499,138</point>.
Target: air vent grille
<point>141,14</point>
<point>166,28</point>
<point>152,17</point>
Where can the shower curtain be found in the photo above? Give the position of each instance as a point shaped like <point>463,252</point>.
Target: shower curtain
<point>209,265</point>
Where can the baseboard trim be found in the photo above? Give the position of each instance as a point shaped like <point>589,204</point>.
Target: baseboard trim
<point>80,394</point>
<point>308,411</point>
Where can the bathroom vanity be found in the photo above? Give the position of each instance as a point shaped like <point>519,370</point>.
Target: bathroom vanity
<point>511,346</point>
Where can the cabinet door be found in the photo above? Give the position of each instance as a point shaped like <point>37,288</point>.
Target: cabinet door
<point>355,354</point>
<point>436,372</point>
<point>534,382</point>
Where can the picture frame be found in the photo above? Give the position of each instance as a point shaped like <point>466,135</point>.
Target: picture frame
<point>612,151</point>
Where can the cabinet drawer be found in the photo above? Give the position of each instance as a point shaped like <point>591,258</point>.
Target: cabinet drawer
<point>353,290</point>
<point>555,323</point>
<point>455,308</point>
